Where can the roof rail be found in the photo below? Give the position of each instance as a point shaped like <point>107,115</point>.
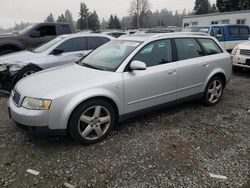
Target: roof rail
<point>180,33</point>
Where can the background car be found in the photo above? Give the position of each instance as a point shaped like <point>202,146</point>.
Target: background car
<point>241,56</point>
<point>33,36</point>
<point>61,50</point>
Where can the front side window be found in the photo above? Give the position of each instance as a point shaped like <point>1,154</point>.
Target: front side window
<point>155,53</point>
<point>210,46</point>
<point>188,48</point>
<point>216,31</point>
<point>73,45</point>
<point>110,55</point>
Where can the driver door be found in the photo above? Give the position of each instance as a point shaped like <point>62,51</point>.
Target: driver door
<point>157,84</point>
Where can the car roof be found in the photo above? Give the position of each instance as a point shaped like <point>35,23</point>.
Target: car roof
<point>226,25</point>
<point>85,34</point>
<point>152,36</point>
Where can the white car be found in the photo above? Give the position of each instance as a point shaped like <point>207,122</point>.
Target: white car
<point>62,50</point>
<point>241,56</point>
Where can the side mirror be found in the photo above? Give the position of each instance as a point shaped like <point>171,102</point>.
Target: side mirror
<point>57,51</point>
<point>138,65</point>
<point>35,34</point>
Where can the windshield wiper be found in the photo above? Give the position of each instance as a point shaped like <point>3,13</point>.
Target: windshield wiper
<point>91,66</point>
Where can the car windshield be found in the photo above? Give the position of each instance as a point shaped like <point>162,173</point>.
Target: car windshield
<point>110,56</point>
<point>197,29</point>
<point>48,45</point>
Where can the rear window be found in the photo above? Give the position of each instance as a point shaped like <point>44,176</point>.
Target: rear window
<point>95,42</point>
<point>210,46</point>
<point>234,30</point>
<point>65,29</point>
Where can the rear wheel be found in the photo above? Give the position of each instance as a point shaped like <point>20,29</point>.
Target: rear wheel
<point>92,121</point>
<point>213,92</point>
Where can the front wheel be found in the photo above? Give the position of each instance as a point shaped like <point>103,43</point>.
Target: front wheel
<point>213,92</point>
<point>92,121</point>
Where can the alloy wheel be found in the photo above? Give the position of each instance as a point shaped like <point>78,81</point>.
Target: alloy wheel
<point>215,91</point>
<point>94,122</point>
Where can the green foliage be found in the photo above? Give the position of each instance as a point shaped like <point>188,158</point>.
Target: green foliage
<point>61,19</point>
<point>114,22</point>
<point>50,18</point>
<point>202,7</point>
<point>233,5</point>
<point>94,22</point>
<point>82,22</point>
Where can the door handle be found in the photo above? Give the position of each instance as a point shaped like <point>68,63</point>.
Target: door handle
<point>172,71</point>
<point>206,65</point>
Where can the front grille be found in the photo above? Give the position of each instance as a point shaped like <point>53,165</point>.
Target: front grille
<point>245,52</point>
<point>16,97</point>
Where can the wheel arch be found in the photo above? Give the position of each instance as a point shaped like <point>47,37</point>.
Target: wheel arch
<point>105,98</point>
<point>219,73</point>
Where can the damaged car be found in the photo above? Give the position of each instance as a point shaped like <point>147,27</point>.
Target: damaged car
<point>62,50</point>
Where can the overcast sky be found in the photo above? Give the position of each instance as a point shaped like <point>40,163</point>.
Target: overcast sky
<point>12,11</point>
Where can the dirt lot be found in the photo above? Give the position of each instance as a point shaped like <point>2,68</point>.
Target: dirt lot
<point>175,147</point>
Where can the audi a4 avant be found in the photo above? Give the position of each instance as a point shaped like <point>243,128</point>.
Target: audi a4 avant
<point>118,80</point>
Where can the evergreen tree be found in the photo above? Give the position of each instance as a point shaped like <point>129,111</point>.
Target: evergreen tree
<point>111,22</point>
<point>68,17</point>
<point>61,19</point>
<point>233,5</point>
<point>94,22</point>
<point>202,7</point>
<point>117,24</point>
<point>82,22</point>
<point>50,18</point>
<point>213,9</point>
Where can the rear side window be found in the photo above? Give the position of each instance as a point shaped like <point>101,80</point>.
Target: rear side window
<point>95,42</point>
<point>234,30</point>
<point>244,31</point>
<point>65,29</point>
<point>75,44</point>
<point>188,48</point>
<point>210,46</point>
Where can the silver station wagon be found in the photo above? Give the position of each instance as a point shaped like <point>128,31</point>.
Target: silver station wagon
<point>121,79</point>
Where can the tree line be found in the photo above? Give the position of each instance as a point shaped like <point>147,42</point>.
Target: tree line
<point>140,15</point>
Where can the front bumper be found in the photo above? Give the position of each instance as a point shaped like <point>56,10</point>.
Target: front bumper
<point>32,121</point>
<point>241,61</point>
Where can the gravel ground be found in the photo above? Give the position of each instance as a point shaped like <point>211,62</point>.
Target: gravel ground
<point>174,147</point>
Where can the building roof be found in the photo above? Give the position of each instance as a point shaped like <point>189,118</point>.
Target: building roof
<point>218,14</point>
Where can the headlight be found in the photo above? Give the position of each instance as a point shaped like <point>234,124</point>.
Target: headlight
<point>235,50</point>
<point>3,67</point>
<point>36,104</point>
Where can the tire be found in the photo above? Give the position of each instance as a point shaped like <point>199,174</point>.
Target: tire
<point>213,91</point>
<point>4,52</point>
<point>92,121</point>
<point>27,71</point>
<point>236,69</point>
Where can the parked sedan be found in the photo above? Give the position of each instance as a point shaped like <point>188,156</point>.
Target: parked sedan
<point>121,79</point>
<point>241,56</point>
<point>62,50</point>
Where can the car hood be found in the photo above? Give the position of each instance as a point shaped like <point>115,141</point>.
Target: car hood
<point>245,45</point>
<point>60,80</point>
<point>22,57</point>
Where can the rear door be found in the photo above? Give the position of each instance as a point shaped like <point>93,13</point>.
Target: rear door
<point>157,84</point>
<point>193,67</point>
